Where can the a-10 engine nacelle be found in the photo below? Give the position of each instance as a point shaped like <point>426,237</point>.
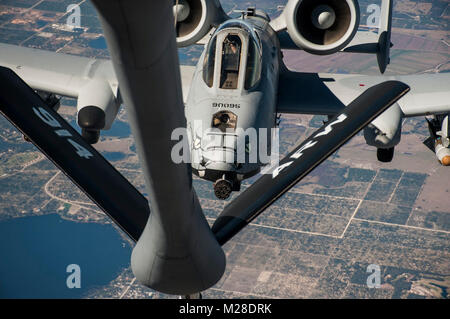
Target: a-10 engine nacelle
<point>195,18</point>
<point>385,132</point>
<point>97,108</point>
<point>321,26</point>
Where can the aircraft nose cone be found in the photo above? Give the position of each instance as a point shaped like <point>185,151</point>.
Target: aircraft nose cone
<point>181,11</point>
<point>323,17</point>
<point>446,161</point>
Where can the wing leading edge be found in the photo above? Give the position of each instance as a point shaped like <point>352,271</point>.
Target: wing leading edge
<point>66,74</point>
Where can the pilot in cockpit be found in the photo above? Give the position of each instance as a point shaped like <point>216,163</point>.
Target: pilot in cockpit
<point>230,62</point>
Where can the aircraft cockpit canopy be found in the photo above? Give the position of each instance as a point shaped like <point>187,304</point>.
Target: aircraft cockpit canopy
<point>233,57</point>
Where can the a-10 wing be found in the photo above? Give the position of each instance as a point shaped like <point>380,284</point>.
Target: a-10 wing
<point>53,72</point>
<point>300,93</point>
<point>326,94</point>
<point>66,74</point>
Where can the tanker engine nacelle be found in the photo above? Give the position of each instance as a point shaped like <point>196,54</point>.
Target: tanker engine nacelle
<point>195,18</point>
<point>321,26</point>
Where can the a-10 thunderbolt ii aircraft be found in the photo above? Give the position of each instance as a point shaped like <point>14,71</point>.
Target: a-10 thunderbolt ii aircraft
<point>240,82</point>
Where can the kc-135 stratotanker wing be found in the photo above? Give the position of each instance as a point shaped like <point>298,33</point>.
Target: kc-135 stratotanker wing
<point>240,83</point>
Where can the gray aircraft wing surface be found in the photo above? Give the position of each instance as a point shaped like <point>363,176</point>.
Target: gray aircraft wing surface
<point>62,74</point>
<point>66,74</point>
<point>326,94</point>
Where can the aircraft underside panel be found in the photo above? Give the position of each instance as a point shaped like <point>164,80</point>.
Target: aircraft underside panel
<point>327,94</point>
<point>306,93</point>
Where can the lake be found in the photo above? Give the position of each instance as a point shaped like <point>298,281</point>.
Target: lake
<point>35,252</point>
<point>114,156</point>
<point>99,43</point>
<point>118,129</point>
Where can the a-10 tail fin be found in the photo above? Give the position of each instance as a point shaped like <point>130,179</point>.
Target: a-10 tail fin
<point>366,41</point>
<point>384,38</point>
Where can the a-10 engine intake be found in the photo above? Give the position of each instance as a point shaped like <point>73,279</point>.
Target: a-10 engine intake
<point>97,108</point>
<point>321,26</point>
<point>195,18</point>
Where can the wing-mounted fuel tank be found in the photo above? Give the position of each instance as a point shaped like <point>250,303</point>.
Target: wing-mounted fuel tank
<point>321,26</point>
<point>97,108</point>
<point>385,132</point>
<point>195,18</point>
